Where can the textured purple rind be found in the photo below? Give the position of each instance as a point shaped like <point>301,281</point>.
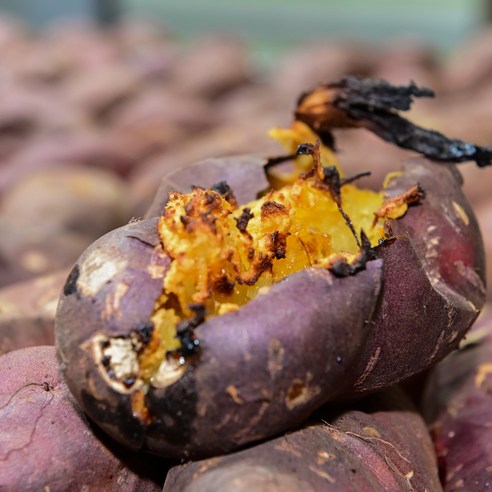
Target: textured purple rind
<point>457,404</point>
<point>243,173</point>
<point>433,286</point>
<point>387,448</point>
<point>48,444</point>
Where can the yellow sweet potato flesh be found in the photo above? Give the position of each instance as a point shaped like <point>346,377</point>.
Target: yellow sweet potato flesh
<point>223,256</point>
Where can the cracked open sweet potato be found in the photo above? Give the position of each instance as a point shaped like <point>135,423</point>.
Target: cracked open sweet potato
<point>166,362</point>
<point>214,323</point>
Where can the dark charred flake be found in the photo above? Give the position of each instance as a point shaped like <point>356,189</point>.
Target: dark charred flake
<point>374,105</point>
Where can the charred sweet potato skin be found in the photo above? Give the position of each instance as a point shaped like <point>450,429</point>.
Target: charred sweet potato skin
<point>311,338</point>
<point>434,281</point>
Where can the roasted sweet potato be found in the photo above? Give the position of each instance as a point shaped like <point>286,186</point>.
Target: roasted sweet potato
<point>48,444</point>
<point>383,447</point>
<point>220,320</point>
<point>458,406</point>
<point>321,334</point>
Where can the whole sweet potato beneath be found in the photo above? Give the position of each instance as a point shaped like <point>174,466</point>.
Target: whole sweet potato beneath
<point>263,368</point>
<point>48,444</point>
<point>362,451</point>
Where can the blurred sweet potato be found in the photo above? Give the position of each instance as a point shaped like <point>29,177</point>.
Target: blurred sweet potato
<point>145,180</point>
<point>101,92</point>
<point>312,63</point>
<point>29,250</point>
<point>48,444</point>
<point>87,201</point>
<point>50,216</point>
<point>470,65</point>
<point>27,312</point>
<point>89,47</point>
<point>407,58</point>
<point>156,120</point>
<point>383,448</point>
<point>484,216</point>
<point>88,148</point>
<point>211,67</point>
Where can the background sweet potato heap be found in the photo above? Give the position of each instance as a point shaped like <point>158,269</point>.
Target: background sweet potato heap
<point>90,121</point>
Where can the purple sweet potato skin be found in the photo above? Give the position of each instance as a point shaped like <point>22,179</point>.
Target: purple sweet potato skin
<point>272,334</point>
<point>434,280</point>
<point>48,444</point>
<point>243,173</point>
<point>112,290</point>
<point>387,449</point>
<point>457,404</point>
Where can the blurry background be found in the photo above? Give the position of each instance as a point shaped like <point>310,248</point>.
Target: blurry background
<point>100,99</point>
<point>280,22</point>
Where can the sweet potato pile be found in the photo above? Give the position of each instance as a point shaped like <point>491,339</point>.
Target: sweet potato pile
<point>243,312</point>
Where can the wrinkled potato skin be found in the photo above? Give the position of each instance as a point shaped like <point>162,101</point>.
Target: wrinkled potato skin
<point>358,450</point>
<point>335,341</point>
<point>48,444</point>
<point>435,266</point>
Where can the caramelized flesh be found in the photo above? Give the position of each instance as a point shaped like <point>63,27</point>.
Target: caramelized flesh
<point>224,256</point>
